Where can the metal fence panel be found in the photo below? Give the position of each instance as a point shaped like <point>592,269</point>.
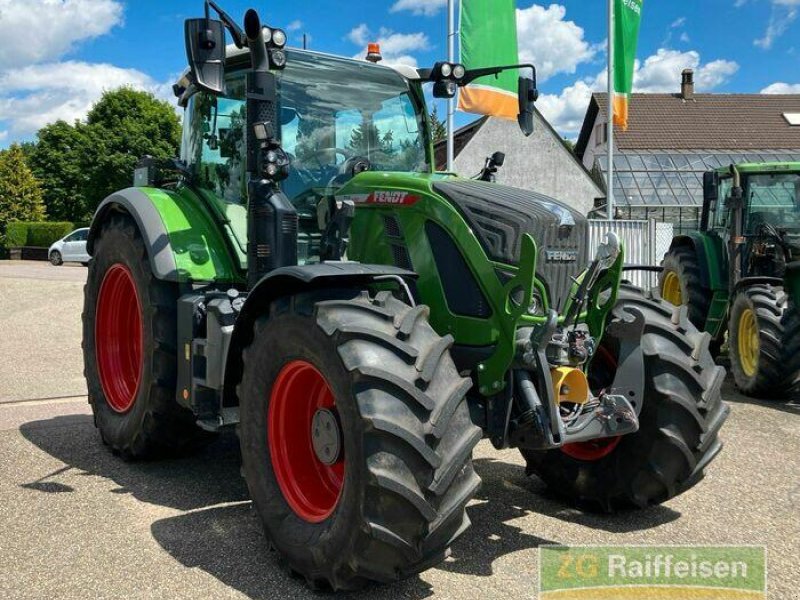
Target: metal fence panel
<point>645,243</point>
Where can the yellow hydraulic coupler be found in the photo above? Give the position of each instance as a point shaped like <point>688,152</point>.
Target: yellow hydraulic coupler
<point>570,385</point>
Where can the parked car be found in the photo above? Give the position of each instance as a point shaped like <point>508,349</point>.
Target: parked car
<point>71,248</point>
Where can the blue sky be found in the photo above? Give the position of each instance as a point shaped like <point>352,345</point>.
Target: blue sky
<point>91,45</point>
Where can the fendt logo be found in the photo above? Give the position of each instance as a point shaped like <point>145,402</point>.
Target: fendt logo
<point>403,198</point>
<point>384,197</point>
<point>561,256</point>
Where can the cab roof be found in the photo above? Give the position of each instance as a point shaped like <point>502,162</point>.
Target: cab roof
<point>765,167</point>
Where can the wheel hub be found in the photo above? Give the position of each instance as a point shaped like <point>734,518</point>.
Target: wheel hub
<point>119,338</point>
<point>749,345</point>
<point>326,436</point>
<point>305,441</point>
<point>671,288</point>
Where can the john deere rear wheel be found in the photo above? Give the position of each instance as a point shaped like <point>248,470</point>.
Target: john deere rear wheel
<point>129,349</point>
<point>356,438</point>
<point>681,284</point>
<point>765,342</point>
<point>679,421</point>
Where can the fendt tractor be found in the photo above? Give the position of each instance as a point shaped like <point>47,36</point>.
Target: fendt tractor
<point>740,274</point>
<point>303,273</point>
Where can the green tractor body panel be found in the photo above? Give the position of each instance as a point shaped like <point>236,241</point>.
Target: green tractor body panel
<point>403,220</point>
<point>202,251</point>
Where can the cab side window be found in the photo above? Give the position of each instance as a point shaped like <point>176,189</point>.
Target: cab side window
<point>721,214</point>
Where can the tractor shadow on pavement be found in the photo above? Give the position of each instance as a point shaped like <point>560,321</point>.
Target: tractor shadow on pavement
<point>790,405</point>
<point>208,478</point>
<point>508,494</point>
<point>219,532</point>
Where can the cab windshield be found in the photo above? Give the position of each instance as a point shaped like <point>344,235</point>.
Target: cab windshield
<point>334,109</point>
<point>330,110</point>
<point>774,199</point>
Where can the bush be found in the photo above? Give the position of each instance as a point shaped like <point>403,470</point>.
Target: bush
<point>39,235</point>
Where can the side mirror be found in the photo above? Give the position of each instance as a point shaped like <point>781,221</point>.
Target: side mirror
<point>710,186</point>
<point>527,97</point>
<point>205,50</point>
<point>499,158</point>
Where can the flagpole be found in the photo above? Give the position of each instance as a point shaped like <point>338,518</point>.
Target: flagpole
<point>451,103</point>
<point>610,126</point>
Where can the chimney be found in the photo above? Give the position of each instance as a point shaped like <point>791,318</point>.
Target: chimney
<point>687,84</point>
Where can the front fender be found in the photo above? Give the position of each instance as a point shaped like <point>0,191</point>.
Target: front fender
<point>184,242</point>
<point>289,281</point>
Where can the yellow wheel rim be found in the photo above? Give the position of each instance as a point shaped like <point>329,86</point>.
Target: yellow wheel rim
<point>749,345</point>
<point>671,288</point>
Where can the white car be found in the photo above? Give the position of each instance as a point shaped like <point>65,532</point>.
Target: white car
<point>71,248</point>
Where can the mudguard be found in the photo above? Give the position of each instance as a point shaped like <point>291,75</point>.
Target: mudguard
<point>185,243</point>
<point>288,281</point>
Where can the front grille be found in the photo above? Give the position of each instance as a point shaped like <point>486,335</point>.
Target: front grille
<point>500,215</point>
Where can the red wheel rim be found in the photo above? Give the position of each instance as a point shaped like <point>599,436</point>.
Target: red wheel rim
<point>118,338</point>
<point>596,449</point>
<point>310,487</point>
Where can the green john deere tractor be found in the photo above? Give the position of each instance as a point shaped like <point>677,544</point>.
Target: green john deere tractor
<point>303,273</point>
<point>741,273</point>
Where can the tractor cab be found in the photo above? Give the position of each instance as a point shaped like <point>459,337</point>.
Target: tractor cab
<point>755,209</point>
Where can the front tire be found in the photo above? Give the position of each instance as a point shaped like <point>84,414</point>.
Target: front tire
<point>393,497</point>
<point>129,349</point>
<point>765,342</point>
<point>679,421</point>
<point>56,259</point>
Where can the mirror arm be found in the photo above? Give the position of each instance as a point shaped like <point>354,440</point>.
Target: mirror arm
<point>473,74</point>
<point>236,32</point>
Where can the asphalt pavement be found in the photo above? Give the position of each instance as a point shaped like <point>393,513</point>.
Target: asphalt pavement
<point>77,522</point>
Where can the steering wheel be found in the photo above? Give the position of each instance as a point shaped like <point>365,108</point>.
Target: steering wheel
<point>349,169</point>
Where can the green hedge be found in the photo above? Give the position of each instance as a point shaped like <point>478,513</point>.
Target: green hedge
<point>39,235</point>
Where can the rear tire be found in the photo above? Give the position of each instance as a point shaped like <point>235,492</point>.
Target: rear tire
<point>682,414</point>
<point>682,264</point>
<point>56,259</point>
<point>406,438</point>
<point>773,369</point>
<point>132,379</point>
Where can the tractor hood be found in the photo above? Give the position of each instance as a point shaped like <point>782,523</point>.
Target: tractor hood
<point>500,215</point>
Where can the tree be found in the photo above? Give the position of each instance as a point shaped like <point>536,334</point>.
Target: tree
<point>438,127</point>
<point>79,165</point>
<point>121,127</point>
<point>20,192</point>
<point>57,161</point>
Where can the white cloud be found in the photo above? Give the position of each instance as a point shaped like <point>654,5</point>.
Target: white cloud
<point>3,135</point>
<point>782,88</point>
<point>659,73</point>
<point>566,111</point>
<point>36,95</point>
<point>783,14</point>
<point>550,42</point>
<point>295,25</point>
<point>42,30</point>
<point>395,47</point>
<point>359,35</point>
<point>419,7</point>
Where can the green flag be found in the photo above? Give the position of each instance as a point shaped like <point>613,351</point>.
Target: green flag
<point>627,19</point>
<point>489,39</point>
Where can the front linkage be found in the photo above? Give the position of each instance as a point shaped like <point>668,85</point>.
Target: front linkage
<point>537,376</point>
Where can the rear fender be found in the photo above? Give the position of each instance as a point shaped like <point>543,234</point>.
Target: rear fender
<point>184,242</point>
<point>289,281</point>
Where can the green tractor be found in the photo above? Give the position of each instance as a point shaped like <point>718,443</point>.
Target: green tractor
<point>303,274</point>
<point>741,273</point>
